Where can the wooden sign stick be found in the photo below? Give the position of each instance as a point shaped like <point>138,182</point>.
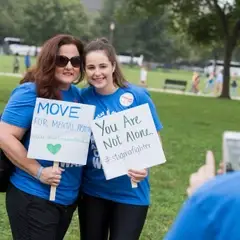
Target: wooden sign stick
<point>53,188</point>
<point>134,184</point>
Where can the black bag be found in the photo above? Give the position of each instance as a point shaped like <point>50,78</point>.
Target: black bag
<point>6,169</point>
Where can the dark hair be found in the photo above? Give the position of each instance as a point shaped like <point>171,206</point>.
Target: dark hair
<point>102,44</point>
<point>43,74</point>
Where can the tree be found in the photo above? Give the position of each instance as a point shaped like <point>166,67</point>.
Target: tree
<point>11,17</point>
<point>154,40</point>
<point>101,24</point>
<point>205,21</point>
<point>46,18</point>
<point>145,35</point>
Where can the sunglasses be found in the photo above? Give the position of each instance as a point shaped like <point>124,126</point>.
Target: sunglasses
<point>62,61</point>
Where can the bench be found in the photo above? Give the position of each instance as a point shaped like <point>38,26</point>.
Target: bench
<point>175,84</point>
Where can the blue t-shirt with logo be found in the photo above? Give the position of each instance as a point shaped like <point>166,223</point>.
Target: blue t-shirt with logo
<point>19,112</point>
<point>212,213</point>
<point>94,182</point>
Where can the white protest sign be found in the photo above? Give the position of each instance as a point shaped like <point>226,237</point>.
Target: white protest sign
<point>127,140</point>
<point>61,131</point>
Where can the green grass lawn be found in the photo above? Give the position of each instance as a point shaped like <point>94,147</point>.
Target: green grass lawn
<point>192,125</point>
<point>6,63</point>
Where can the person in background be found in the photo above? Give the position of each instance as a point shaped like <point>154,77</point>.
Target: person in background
<point>31,214</point>
<point>234,85</point>
<point>210,83</point>
<point>143,75</point>
<point>213,208</point>
<point>219,82</point>
<point>111,207</point>
<point>16,63</point>
<point>27,61</point>
<point>195,82</point>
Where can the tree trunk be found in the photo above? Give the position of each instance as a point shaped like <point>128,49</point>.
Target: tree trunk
<point>226,72</point>
<point>215,57</point>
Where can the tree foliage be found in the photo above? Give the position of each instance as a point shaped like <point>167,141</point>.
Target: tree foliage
<point>11,16</point>
<point>206,22</point>
<point>139,33</point>
<point>37,21</point>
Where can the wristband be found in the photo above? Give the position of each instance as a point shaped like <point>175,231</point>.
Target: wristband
<point>39,172</point>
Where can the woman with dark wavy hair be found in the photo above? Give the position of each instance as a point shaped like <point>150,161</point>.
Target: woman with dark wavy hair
<point>31,214</point>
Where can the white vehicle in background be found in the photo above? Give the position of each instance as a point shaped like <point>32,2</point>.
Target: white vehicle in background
<point>234,67</point>
<point>126,59</point>
<point>16,45</point>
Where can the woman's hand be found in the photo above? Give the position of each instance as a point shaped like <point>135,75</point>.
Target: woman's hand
<point>205,173</point>
<point>51,176</point>
<point>137,175</point>
<point>221,169</point>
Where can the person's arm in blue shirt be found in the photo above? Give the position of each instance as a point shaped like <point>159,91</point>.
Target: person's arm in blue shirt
<point>143,98</point>
<point>16,120</point>
<point>191,223</point>
<point>146,98</point>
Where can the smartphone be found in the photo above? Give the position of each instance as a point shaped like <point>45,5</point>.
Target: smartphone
<point>231,151</point>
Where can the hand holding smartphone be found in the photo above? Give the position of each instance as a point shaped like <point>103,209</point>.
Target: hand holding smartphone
<point>231,151</point>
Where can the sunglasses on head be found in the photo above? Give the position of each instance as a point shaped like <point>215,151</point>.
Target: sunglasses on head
<point>62,61</point>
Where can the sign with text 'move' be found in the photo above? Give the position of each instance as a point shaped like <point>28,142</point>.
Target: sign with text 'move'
<point>61,131</point>
<point>127,140</point>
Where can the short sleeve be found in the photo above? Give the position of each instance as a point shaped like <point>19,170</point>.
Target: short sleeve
<point>20,107</point>
<point>144,97</point>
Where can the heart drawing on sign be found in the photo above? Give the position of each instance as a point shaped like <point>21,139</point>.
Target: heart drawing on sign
<point>54,149</point>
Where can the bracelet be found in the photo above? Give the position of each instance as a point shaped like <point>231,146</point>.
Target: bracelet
<point>39,172</point>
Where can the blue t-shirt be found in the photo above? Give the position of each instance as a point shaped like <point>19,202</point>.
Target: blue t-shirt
<point>94,181</point>
<point>212,213</point>
<point>19,112</point>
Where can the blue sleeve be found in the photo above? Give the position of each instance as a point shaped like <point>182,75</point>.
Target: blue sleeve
<point>191,223</point>
<point>145,98</point>
<point>20,107</point>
